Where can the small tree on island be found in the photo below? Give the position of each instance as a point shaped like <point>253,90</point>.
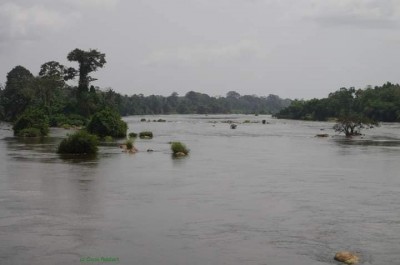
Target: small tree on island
<point>351,125</point>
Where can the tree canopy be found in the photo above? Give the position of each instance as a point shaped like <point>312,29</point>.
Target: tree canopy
<point>381,103</point>
<point>89,61</point>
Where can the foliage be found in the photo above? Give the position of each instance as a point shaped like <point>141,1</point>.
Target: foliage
<point>381,103</point>
<point>351,125</point>
<point>178,147</point>
<point>129,144</point>
<point>108,139</point>
<point>80,142</point>
<point>18,92</point>
<point>32,118</point>
<point>132,135</point>
<point>146,135</point>
<point>29,132</point>
<point>107,123</point>
<point>88,62</point>
<point>62,120</point>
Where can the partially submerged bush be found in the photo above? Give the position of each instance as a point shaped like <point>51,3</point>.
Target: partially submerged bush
<point>142,119</point>
<point>29,132</point>
<point>80,142</point>
<point>351,125</point>
<point>132,135</point>
<point>146,135</point>
<point>179,149</point>
<point>107,123</point>
<point>129,144</point>
<point>108,139</point>
<point>33,119</point>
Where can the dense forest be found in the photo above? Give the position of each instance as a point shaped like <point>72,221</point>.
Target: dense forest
<point>50,92</point>
<point>381,103</point>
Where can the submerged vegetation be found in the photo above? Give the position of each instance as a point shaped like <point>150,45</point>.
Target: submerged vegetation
<point>179,149</point>
<point>146,135</point>
<point>80,142</point>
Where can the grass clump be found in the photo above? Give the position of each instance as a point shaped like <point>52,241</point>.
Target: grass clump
<point>179,149</point>
<point>146,135</point>
<point>80,142</point>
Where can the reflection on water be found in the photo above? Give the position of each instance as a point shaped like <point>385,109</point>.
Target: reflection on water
<point>261,194</point>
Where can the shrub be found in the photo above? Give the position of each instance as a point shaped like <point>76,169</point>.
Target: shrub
<point>132,135</point>
<point>32,119</point>
<point>143,120</point>
<point>29,132</point>
<point>108,139</point>
<point>146,135</point>
<point>178,147</point>
<point>129,144</point>
<point>80,142</point>
<point>61,120</point>
<point>107,123</point>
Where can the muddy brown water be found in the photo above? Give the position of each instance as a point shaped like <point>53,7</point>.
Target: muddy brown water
<point>259,195</point>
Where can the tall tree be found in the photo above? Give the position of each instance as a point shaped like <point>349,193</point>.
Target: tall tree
<point>89,61</point>
<point>18,92</point>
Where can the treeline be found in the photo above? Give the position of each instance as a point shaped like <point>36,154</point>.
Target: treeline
<point>49,92</point>
<point>196,103</point>
<point>381,103</point>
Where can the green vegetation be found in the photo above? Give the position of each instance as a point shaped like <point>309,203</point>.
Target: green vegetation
<point>129,144</point>
<point>108,139</point>
<point>146,135</point>
<point>179,149</point>
<point>80,142</point>
<point>381,103</point>
<point>107,123</point>
<point>30,132</point>
<point>351,125</point>
<point>32,123</point>
<point>132,135</point>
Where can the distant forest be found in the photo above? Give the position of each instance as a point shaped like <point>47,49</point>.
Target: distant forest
<point>381,103</point>
<point>62,103</point>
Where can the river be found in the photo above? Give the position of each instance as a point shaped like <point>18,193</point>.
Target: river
<point>262,194</point>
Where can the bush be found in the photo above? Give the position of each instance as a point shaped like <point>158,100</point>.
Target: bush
<point>146,135</point>
<point>129,144</point>
<point>107,123</point>
<point>132,135</point>
<point>80,142</point>
<point>29,132</point>
<point>143,120</point>
<point>33,119</point>
<point>178,147</point>
<point>61,120</point>
<point>108,139</point>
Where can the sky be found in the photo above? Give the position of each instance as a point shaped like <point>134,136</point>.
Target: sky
<point>291,48</point>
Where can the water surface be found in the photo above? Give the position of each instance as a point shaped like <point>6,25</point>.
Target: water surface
<point>260,194</point>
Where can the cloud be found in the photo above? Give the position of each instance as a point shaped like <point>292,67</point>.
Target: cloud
<point>359,13</point>
<point>241,51</point>
<point>94,3</point>
<point>21,20</point>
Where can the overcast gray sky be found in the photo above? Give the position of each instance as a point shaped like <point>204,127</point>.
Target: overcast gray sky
<point>292,48</point>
